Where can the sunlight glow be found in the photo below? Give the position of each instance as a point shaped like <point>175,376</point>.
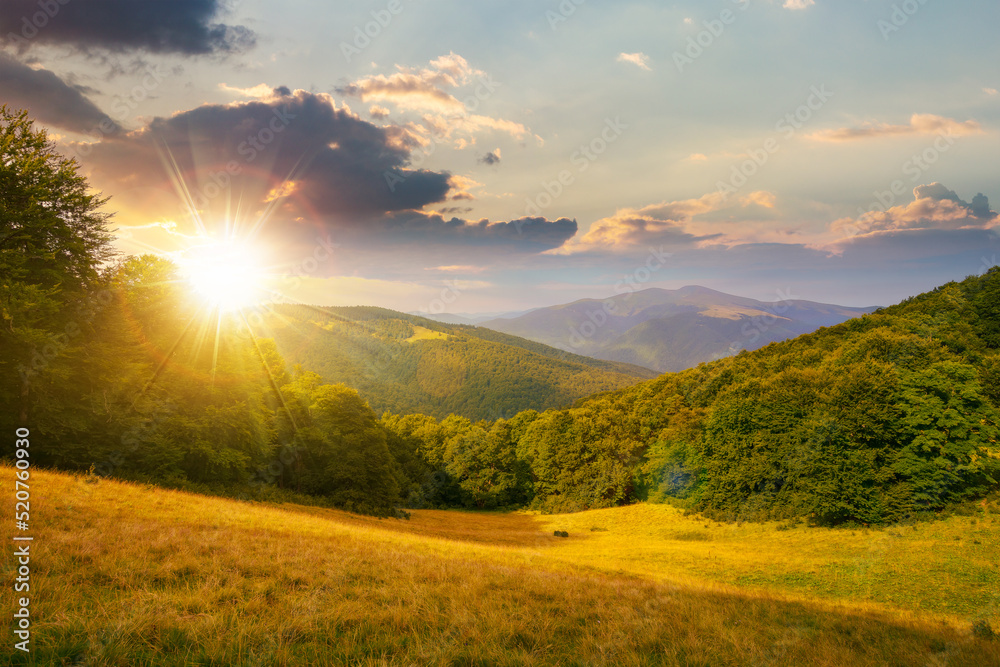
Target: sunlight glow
<point>226,276</point>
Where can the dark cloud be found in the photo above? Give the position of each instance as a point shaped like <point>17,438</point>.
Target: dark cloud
<point>396,245</point>
<point>312,170</point>
<point>338,165</point>
<point>530,235</point>
<point>491,158</point>
<point>980,207</point>
<point>49,99</point>
<point>156,26</point>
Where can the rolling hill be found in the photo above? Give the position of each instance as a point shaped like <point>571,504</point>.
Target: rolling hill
<point>133,575</point>
<point>405,363</point>
<point>670,330</point>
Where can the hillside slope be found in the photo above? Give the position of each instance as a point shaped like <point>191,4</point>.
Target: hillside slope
<point>405,363</point>
<point>881,419</point>
<point>670,330</point>
<point>127,574</point>
<point>874,420</point>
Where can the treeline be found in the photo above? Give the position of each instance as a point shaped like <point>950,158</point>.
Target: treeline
<point>870,421</point>
<point>116,370</point>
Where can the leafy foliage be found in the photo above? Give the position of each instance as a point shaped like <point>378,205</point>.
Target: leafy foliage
<point>114,368</point>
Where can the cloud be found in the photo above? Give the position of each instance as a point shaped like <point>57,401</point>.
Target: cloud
<point>640,60</point>
<point>760,198</point>
<point>462,186</point>
<point>417,89</point>
<point>405,90</point>
<point>798,4</point>
<point>156,26</point>
<point>261,91</point>
<point>457,268</point>
<point>934,207</point>
<point>919,124</point>
<point>50,99</point>
<point>525,235</point>
<point>342,165</point>
<point>990,91</point>
<point>672,223</point>
<point>168,226</point>
<point>296,167</point>
<point>378,113</point>
<point>663,223</point>
<point>428,92</point>
<point>491,158</point>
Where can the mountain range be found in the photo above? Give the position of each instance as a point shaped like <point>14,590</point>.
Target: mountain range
<point>670,330</point>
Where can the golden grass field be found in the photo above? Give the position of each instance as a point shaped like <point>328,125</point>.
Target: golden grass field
<point>423,333</point>
<point>126,574</point>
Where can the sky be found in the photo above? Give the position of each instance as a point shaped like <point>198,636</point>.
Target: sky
<point>444,156</point>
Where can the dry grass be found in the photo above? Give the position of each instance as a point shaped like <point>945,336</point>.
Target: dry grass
<point>423,333</point>
<point>128,575</point>
<point>949,569</point>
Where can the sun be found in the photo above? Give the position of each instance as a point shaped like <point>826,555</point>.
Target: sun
<point>227,276</point>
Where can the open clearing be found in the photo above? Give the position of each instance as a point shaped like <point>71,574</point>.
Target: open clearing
<point>126,574</point>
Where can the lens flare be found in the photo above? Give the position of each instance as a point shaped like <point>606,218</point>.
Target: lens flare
<point>226,276</point>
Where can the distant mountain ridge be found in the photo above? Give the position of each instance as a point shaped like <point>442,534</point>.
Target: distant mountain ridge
<point>470,319</point>
<point>670,330</point>
<point>406,363</point>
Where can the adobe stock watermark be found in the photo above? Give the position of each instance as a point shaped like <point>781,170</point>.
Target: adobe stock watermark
<point>916,166</point>
<point>249,149</point>
<point>581,159</point>
<point>87,310</point>
<point>761,324</point>
<point>564,10</point>
<point>393,177</point>
<point>712,29</point>
<point>787,126</point>
<point>449,294</point>
<point>121,108</point>
<point>30,26</point>
<point>899,17</point>
<point>138,434</point>
<point>629,284</point>
<point>363,35</point>
<point>484,90</point>
<point>322,251</point>
<point>264,476</point>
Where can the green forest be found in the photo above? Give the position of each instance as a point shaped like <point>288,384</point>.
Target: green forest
<point>119,373</point>
<point>405,363</point>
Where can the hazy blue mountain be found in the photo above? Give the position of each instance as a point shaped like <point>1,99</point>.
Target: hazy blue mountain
<point>471,319</point>
<point>670,330</point>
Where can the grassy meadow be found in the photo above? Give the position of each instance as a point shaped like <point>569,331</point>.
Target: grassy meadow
<point>126,574</point>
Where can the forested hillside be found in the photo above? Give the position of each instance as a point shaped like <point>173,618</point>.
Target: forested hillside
<point>870,421</point>
<point>406,363</point>
<point>115,368</point>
